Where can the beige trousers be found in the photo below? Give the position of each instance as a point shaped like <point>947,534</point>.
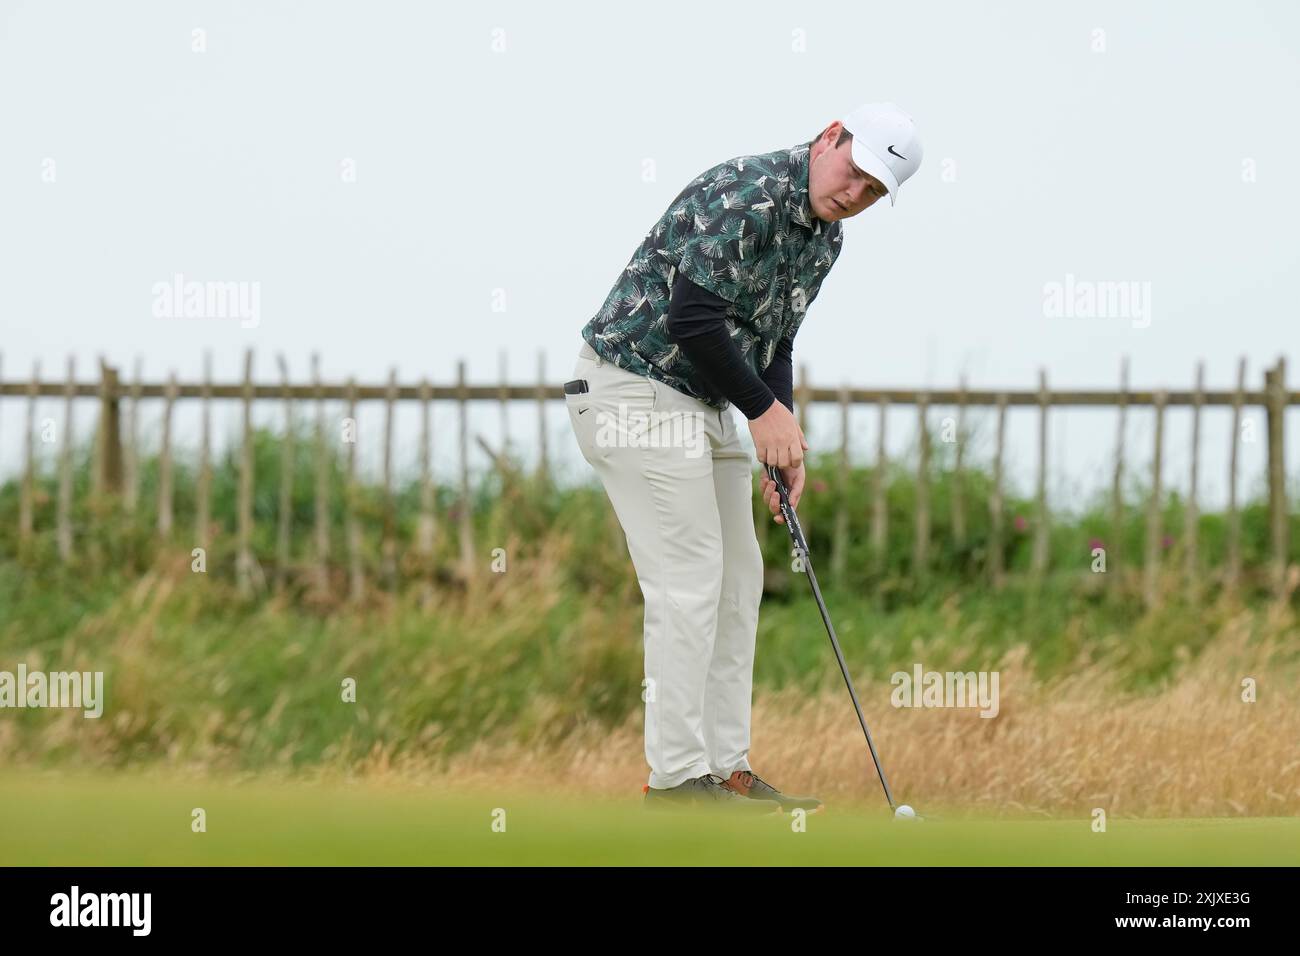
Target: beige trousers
<point>682,487</point>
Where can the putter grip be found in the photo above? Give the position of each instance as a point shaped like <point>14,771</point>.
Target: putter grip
<point>787,510</point>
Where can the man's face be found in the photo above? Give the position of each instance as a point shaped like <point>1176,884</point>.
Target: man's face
<point>837,189</point>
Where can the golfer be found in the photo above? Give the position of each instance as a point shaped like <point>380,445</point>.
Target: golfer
<point>704,317</point>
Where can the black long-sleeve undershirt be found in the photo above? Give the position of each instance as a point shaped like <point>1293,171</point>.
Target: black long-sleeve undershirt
<point>697,323</point>
<point>779,376</point>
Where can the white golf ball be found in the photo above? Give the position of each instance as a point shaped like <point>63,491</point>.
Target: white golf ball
<point>903,810</point>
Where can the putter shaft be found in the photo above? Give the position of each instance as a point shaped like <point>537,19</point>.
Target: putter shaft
<point>801,545</point>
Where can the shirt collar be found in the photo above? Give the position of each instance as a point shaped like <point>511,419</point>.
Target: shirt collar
<point>797,201</point>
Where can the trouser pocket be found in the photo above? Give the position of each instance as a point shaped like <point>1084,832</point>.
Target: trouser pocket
<point>614,412</point>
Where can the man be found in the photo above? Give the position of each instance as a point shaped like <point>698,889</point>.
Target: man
<point>704,317</point>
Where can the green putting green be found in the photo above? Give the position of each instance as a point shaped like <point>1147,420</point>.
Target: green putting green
<point>115,820</point>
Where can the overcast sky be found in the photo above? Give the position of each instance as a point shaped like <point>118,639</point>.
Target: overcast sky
<point>411,184</point>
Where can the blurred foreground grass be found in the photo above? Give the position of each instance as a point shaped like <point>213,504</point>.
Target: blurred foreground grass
<point>126,820</point>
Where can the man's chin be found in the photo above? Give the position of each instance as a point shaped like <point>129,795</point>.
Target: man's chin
<point>834,213</point>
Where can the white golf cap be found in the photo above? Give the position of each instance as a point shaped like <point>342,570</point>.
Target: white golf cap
<point>885,144</point>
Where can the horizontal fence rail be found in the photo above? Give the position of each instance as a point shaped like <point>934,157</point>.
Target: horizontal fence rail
<point>497,393</point>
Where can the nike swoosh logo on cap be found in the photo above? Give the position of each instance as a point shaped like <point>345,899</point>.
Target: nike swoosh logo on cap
<point>899,155</point>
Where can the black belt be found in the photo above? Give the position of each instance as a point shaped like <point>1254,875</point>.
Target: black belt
<point>575,387</point>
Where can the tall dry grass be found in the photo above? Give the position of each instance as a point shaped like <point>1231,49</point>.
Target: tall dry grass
<point>1059,747</point>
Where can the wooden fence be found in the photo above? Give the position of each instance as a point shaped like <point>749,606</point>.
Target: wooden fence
<point>116,463</point>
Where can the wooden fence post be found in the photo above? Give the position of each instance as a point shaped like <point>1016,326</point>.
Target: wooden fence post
<point>322,528</point>
<point>466,519</point>
<point>1115,547</point>
<point>99,449</point>
<point>921,545</point>
<point>165,461</point>
<point>108,444</point>
<point>244,562</point>
<point>427,526</point>
<point>284,519</point>
<point>27,496</point>
<point>1275,389</point>
<point>388,547</point>
<point>1155,534</point>
<point>1041,529</point>
<point>1233,571</point>
<point>64,518</point>
<point>840,542</point>
<point>996,571</point>
<point>958,496</point>
<point>803,398</point>
<point>879,508</point>
<point>131,447</point>
<point>1191,526</point>
<point>356,589</point>
<point>203,491</point>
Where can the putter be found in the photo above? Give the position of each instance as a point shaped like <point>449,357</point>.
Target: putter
<point>801,546</point>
